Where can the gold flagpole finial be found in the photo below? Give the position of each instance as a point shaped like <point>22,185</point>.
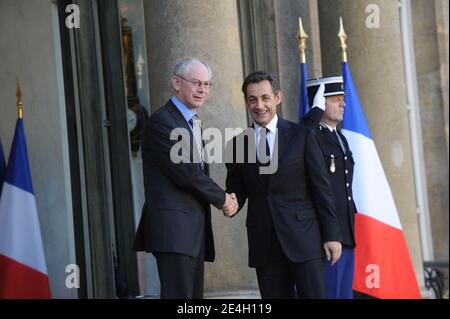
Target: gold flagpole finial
<point>19,100</point>
<point>342,38</point>
<point>302,37</point>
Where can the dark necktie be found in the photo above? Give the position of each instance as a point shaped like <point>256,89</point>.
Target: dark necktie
<point>266,158</point>
<point>267,147</point>
<point>267,143</point>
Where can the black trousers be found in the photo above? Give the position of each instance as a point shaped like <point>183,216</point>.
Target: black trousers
<point>279,277</point>
<point>181,276</point>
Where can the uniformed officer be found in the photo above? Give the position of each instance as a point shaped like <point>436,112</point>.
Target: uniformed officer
<point>327,112</point>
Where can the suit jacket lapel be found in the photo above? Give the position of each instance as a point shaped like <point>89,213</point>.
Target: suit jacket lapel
<point>181,122</point>
<point>281,141</point>
<point>282,138</point>
<point>179,118</point>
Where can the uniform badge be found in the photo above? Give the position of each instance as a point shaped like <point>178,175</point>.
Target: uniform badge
<point>332,165</point>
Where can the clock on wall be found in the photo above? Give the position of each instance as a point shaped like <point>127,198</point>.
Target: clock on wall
<point>132,118</point>
<point>136,116</point>
<point>136,113</point>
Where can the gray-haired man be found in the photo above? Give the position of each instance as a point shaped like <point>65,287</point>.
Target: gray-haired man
<point>176,219</point>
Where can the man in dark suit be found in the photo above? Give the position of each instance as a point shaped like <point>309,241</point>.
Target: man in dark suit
<point>327,112</point>
<point>291,219</point>
<point>176,219</point>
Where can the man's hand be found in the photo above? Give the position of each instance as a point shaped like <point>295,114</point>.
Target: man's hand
<point>333,250</point>
<point>231,206</point>
<point>319,99</point>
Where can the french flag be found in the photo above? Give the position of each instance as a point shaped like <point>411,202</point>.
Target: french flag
<point>383,267</point>
<point>2,167</point>
<point>303,107</point>
<point>23,271</point>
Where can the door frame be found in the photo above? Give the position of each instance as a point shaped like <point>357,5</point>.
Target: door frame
<point>99,150</point>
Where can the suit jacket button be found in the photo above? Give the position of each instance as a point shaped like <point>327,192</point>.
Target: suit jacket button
<point>349,198</point>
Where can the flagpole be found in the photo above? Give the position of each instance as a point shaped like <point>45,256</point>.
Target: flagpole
<point>19,100</point>
<point>342,39</point>
<point>302,38</point>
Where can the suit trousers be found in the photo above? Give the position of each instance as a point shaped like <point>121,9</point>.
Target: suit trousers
<point>279,277</point>
<point>181,276</point>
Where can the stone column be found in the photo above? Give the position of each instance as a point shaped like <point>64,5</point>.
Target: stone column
<point>442,26</point>
<point>286,16</point>
<point>434,117</point>
<point>209,31</point>
<point>376,60</point>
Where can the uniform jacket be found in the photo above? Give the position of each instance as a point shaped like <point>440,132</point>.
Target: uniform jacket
<point>341,177</point>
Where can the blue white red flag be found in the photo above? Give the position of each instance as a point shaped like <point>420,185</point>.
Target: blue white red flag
<point>23,270</point>
<point>303,107</point>
<point>2,167</point>
<point>383,266</point>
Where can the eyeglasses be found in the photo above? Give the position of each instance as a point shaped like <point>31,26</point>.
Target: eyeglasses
<point>198,84</point>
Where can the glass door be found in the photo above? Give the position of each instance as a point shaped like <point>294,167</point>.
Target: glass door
<point>134,51</point>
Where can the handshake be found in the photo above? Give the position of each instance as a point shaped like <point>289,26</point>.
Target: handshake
<point>231,206</point>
